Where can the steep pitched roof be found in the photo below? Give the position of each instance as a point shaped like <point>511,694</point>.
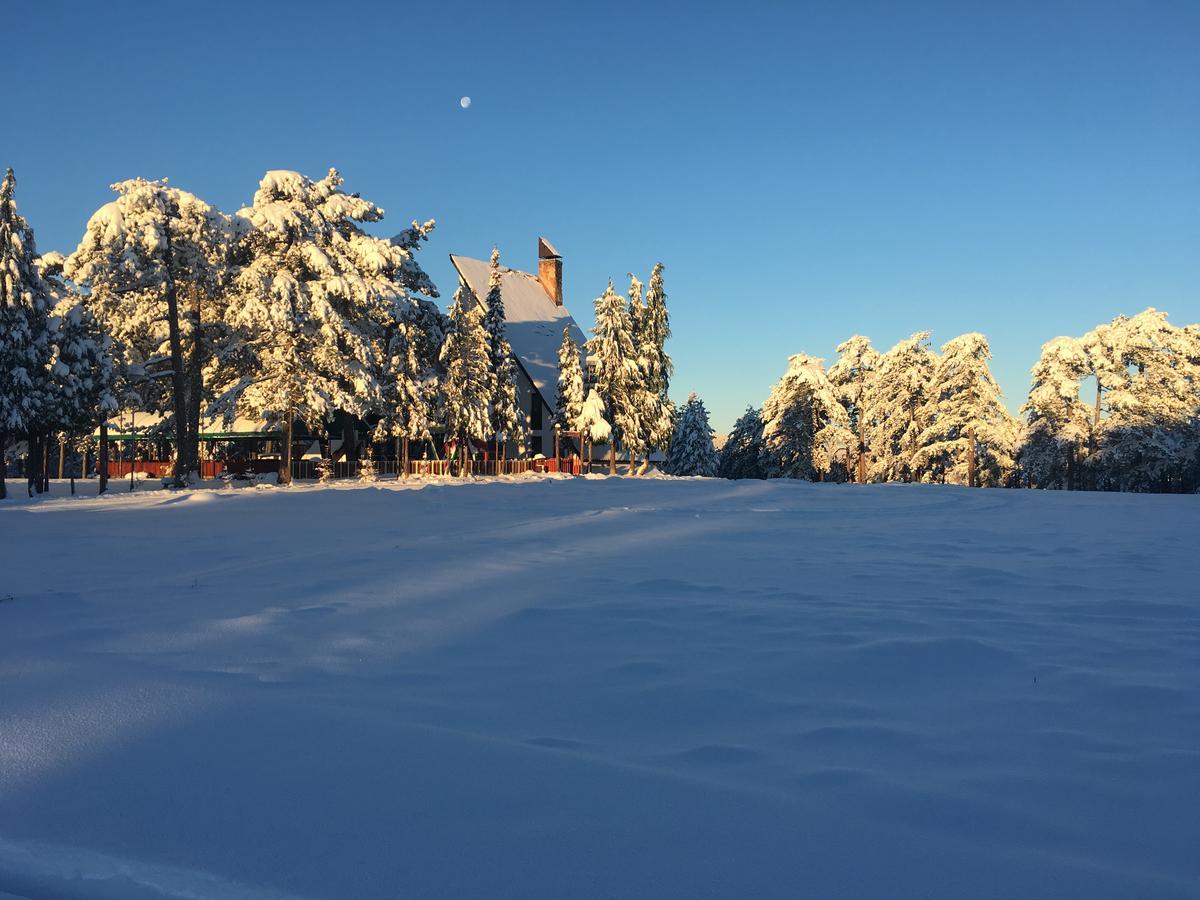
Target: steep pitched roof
<point>533,322</point>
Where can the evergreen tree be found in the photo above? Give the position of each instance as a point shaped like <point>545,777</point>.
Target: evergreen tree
<point>593,424</point>
<point>1058,421</point>
<point>154,261</point>
<point>969,436</point>
<point>507,419</point>
<point>614,358</point>
<point>409,381</point>
<point>653,331</point>
<point>851,377</point>
<point>896,401</point>
<point>691,449</point>
<point>82,374</point>
<point>742,453</point>
<point>317,301</point>
<point>467,386</point>
<point>25,336</point>
<point>804,424</point>
<point>569,401</point>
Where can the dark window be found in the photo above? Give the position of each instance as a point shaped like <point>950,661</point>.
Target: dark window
<point>535,444</point>
<point>535,414</point>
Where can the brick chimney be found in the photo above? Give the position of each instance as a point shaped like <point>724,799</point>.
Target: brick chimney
<point>550,270</point>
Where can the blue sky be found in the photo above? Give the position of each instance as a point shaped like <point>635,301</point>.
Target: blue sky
<point>805,171</point>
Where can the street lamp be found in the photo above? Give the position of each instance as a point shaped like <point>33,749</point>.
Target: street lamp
<point>557,446</point>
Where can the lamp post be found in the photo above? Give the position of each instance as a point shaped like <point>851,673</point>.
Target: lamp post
<point>557,446</point>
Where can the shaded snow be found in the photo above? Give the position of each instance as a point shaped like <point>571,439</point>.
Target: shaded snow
<point>595,687</point>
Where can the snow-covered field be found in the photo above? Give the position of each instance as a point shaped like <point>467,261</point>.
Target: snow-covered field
<point>600,687</point>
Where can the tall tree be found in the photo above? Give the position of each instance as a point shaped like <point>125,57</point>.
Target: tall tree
<point>691,450</point>
<point>1058,420</point>
<point>969,437</point>
<point>804,424</point>
<point>507,420</point>
<point>152,259</point>
<point>570,397</point>
<point>896,400</point>
<point>611,352</point>
<point>467,386</point>
<point>851,377</point>
<point>25,336</point>
<point>741,457</point>
<point>316,299</point>
<point>653,329</point>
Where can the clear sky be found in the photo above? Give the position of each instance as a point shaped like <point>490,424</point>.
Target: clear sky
<point>805,171</point>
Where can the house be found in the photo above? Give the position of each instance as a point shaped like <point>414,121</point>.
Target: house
<point>535,318</point>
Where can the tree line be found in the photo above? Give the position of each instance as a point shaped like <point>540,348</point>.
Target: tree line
<point>287,311</point>
<point>914,414</point>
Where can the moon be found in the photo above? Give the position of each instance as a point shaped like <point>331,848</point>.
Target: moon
<point>464,102</point>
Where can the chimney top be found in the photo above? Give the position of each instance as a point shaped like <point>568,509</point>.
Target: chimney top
<point>550,271</point>
<point>546,250</point>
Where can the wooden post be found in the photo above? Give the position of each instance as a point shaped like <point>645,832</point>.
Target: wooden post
<point>62,456</point>
<point>285,470</point>
<point>405,451</point>
<point>612,458</point>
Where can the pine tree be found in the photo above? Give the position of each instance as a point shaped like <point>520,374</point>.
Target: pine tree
<point>569,402</point>
<point>741,455</point>
<point>409,380</point>
<point>317,301</point>
<point>691,450</point>
<point>896,403</point>
<point>593,424</point>
<point>614,358</point>
<point>467,386</point>
<point>154,261</point>
<point>82,374</point>
<point>507,420</point>
<point>1058,421</point>
<point>851,377</point>
<point>804,424</point>
<point>969,436</point>
<point>26,342</point>
<point>1149,439</point>
<point>652,332</point>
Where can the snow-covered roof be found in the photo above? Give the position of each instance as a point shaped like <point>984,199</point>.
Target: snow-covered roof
<point>534,323</point>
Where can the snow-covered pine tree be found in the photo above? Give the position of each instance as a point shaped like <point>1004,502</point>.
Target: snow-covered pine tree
<point>896,403</point>
<point>741,457</point>
<point>409,379</point>
<point>507,420</point>
<point>570,383</point>
<point>25,336</point>
<point>593,424</point>
<point>82,374</point>
<point>969,436</point>
<point>154,261</point>
<point>316,297</point>
<point>691,450</point>
<point>1058,421</point>
<point>643,397</point>
<point>1148,440</point>
<point>612,354</point>
<point>804,424</point>
<point>851,378</point>
<point>653,331</point>
<point>467,386</point>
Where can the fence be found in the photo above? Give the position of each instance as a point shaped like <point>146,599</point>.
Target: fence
<point>439,468</point>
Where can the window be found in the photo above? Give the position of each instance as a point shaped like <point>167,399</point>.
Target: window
<point>535,444</point>
<point>535,414</point>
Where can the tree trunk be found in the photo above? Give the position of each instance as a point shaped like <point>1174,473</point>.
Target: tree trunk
<point>285,469</point>
<point>33,477</point>
<point>349,440</point>
<point>179,384</point>
<point>3,464</point>
<point>195,381</point>
<point>862,451</point>
<point>612,458</point>
<point>102,463</point>
<point>972,479</point>
<point>62,457</point>
<point>404,455</point>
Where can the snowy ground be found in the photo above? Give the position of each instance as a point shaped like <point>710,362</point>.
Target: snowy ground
<point>600,687</point>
